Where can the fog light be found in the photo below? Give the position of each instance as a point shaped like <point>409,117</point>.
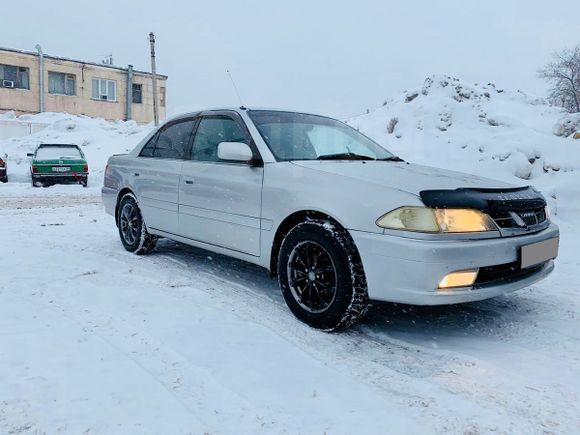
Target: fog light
<point>463,278</point>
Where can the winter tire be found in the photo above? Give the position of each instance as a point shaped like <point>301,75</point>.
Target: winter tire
<point>321,276</point>
<point>132,229</point>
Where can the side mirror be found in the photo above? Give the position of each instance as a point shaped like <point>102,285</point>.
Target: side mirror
<point>29,154</point>
<point>235,152</point>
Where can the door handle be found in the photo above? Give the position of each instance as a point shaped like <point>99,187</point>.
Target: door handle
<point>136,174</point>
<point>189,181</point>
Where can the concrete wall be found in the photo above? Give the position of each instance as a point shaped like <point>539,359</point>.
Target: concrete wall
<point>15,128</point>
<point>27,101</point>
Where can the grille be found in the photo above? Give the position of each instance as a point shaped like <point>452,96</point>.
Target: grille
<point>520,218</point>
<point>505,272</point>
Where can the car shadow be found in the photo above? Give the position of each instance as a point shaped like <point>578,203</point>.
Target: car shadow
<point>503,315</point>
<point>499,316</point>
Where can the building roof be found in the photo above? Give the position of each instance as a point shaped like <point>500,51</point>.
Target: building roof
<point>48,56</point>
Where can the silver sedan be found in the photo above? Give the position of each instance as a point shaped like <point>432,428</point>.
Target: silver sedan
<point>336,217</point>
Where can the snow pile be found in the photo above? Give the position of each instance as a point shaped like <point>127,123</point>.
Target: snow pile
<point>484,130</point>
<point>96,137</point>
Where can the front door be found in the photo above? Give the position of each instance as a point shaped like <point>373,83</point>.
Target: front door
<point>220,202</point>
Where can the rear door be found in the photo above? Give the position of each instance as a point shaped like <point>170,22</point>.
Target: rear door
<point>220,202</point>
<point>157,172</point>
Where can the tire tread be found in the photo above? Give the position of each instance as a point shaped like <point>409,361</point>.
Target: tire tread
<point>359,301</point>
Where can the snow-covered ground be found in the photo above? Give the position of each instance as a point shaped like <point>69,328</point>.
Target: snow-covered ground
<point>96,340</point>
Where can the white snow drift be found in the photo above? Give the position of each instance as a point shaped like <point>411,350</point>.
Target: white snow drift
<point>97,138</point>
<point>484,130</point>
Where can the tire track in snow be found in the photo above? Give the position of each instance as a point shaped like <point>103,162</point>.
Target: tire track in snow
<point>366,353</point>
<point>453,373</point>
<point>91,326</point>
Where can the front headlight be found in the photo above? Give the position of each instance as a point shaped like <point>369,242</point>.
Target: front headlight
<point>428,220</point>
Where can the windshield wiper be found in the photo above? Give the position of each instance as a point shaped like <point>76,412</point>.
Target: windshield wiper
<point>392,159</point>
<point>344,156</point>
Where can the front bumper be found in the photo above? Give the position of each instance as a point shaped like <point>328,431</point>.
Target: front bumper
<point>407,270</point>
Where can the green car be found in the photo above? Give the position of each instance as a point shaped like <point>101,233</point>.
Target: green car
<point>58,163</point>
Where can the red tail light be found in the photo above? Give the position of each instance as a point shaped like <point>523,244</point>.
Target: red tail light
<point>86,168</point>
<point>34,169</point>
<point>1,163</point>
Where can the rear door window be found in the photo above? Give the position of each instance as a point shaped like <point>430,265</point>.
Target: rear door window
<point>173,141</point>
<point>148,149</point>
<point>170,143</point>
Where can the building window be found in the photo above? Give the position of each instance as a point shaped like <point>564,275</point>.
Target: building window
<point>60,83</point>
<point>137,93</point>
<point>14,77</point>
<point>162,96</point>
<point>105,90</point>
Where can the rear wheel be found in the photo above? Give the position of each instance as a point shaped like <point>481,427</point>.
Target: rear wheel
<point>321,276</point>
<point>36,182</point>
<point>132,228</point>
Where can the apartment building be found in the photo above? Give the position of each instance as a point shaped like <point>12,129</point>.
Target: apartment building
<point>76,87</point>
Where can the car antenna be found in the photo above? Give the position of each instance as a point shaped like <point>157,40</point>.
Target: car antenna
<point>236,89</point>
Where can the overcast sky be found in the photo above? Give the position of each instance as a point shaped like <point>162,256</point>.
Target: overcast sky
<point>331,57</point>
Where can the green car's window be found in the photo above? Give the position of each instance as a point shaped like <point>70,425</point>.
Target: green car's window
<point>58,153</point>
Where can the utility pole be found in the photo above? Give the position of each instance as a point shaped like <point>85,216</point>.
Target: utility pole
<point>40,78</point>
<point>154,79</point>
<point>129,103</point>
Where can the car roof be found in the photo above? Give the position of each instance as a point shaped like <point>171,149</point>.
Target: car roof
<point>63,145</point>
<point>240,109</point>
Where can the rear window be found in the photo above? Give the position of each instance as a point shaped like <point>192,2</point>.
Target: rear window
<point>58,153</point>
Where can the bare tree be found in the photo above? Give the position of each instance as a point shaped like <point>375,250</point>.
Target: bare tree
<point>563,73</point>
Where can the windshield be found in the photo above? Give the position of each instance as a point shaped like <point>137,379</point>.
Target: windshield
<point>58,153</point>
<point>297,136</point>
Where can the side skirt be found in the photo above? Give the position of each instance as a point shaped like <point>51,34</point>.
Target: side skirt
<point>213,248</point>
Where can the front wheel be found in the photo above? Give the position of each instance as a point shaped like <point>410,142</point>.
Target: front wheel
<point>132,229</point>
<point>321,276</point>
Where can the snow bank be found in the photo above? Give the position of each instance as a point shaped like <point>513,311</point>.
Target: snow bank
<point>484,130</point>
<point>97,138</point>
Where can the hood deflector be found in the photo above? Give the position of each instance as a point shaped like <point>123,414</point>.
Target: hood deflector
<point>485,200</point>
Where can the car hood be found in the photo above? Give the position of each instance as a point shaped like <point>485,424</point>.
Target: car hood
<point>402,176</point>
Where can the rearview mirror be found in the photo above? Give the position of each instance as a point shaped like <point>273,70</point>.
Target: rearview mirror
<point>235,152</point>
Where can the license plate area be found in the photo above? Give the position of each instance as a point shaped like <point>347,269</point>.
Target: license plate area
<point>540,252</point>
<point>61,169</point>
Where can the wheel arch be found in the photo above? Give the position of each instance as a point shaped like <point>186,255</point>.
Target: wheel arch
<point>124,191</point>
<point>286,226</point>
